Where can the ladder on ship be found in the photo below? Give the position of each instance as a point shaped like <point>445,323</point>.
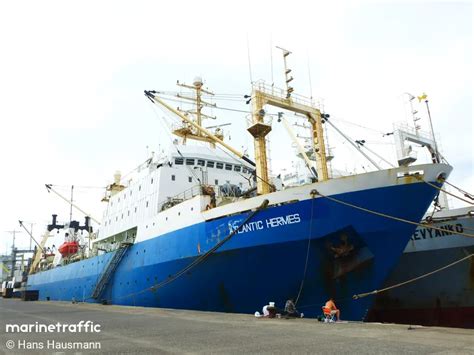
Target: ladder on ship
<point>109,270</point>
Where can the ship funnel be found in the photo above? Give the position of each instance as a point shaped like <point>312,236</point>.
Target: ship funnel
<point>54,219</point>
<point>117,177</point>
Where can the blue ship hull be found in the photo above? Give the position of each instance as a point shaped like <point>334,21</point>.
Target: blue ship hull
<point>350,252</point>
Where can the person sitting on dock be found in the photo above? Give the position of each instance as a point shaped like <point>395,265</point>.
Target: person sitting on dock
<point>269,310</point>
<point>332,307</point>
<point>290,309</point>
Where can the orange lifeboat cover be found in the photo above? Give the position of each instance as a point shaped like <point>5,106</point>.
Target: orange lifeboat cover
<point>68,248</point>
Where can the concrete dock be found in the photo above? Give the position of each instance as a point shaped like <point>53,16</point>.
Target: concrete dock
<point>130,330</point>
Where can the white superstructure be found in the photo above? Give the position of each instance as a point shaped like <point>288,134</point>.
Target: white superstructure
<point>170,180</point>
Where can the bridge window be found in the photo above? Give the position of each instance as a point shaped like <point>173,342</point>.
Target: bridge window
<point>236,167</point>
<point>228,167</point>
<point>210,164</point>
<point>201,162</point>
<point>219,165</point>
<point>189,161</point>
<point>179,161</point>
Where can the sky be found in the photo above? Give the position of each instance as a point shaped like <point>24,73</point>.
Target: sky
<point>72,76</point>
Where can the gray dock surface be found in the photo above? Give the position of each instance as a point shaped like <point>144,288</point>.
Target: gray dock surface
<point>154,331</point>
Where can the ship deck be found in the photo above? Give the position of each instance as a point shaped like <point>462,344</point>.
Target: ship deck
<point>152,330</point>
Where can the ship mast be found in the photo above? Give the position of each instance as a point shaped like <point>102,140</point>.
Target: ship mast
<point>263,95</point>
<point>199,133</point>
<point>187,131</point>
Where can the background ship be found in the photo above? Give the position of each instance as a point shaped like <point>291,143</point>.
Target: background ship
<point>205,230</point>
<point>445,298</point>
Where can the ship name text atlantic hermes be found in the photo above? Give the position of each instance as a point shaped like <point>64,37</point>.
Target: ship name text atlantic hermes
<point>273,222</point>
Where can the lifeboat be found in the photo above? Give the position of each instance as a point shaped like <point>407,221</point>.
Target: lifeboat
<point>68,248</point>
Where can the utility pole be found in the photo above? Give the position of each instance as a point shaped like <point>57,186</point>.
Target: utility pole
<point>12,271</point>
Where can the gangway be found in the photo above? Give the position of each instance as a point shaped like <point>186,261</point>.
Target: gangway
<point>109,270</point>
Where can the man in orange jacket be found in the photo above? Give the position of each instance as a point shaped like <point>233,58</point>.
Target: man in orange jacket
<point>332,306</point>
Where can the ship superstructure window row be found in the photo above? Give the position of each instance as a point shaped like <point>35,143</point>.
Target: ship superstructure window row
<point>211,164</point>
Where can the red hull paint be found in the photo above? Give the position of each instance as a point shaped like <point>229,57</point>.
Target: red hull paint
<point>459,317</point>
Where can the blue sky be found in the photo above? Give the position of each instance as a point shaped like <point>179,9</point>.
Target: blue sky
<point>72,77</point>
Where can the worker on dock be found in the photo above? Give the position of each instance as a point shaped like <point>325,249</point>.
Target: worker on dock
<point>290,309</point>
<point>332,306</point>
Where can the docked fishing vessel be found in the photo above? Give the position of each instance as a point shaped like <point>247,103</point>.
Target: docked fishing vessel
<point>203,229</point>
<point>445,298</point>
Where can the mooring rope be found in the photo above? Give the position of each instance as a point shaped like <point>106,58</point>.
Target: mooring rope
<point>357,296</point>
<point>307,250</point>
<point>467,194</point>
<point>443,190</point>
<point>365,294</point>
<point>386,215</point>
<point>200,258</point>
